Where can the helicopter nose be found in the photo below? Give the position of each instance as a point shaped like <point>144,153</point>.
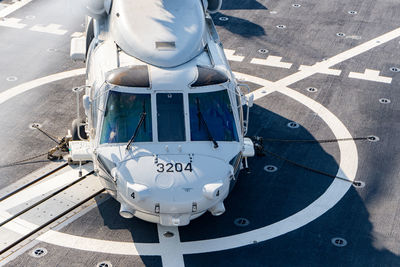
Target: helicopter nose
<point>172,196</point>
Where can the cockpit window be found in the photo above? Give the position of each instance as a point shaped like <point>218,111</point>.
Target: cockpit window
<point>122,115</point>
<point>215,114</point>
<point>170,117</point>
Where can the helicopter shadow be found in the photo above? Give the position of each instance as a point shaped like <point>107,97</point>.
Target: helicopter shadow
<point>243,4</point>
<point>128,230</point>
<point>238,26</point>
<point>264,198</point>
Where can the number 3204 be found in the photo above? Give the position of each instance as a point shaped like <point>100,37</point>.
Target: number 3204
<point>177,167</point>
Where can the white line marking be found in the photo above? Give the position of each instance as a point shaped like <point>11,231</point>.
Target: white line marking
<point>12,23</point>
<point>348,168</point>
<point>314,69</point>
<point>11,8</point>
<point>101,246</point>
<point>51,28</point>
<point>355,51</point>
<point>171,257</point>
<point>370,75</point>
<point>229,53</point>
<point>10,93</point>
<point>272,61</point>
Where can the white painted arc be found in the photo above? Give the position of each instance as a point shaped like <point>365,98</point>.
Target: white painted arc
<point>22,88</point>
<point>348,168</point>
<point>101,246</point>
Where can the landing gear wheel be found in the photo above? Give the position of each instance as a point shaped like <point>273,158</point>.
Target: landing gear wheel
<point>74,133</point>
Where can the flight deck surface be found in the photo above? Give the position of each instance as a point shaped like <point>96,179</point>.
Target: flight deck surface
<point>319,70</point>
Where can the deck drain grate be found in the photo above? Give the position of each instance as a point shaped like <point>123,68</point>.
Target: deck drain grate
<point>394,69</point>
<point>270,168</point>
<point>281,26</point>
<point>104,264</point>
<point>341,34</point>
<point>263,51</point>
<point>241,222</point>
<point>223,18</point>
<point>38,252</point>
<point>352,12</point>
<point>339,242</point>
<point>312,89</point>
<point>384,101</point>
<point>293,125</point>
<point>373,138</point>
<point>168,234</point>
<point>358,184</point>
<point>296,5</point>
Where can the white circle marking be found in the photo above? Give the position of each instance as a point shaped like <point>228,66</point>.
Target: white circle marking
<point>347,168</point>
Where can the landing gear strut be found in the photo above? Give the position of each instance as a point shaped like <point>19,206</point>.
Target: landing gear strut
<point>258,142</point>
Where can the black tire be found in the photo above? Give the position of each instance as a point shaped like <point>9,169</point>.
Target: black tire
<point>89,35</point>
<point>74,133</point>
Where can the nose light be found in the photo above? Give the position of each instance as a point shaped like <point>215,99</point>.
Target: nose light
<point>194,207</point>
<point>157,208</point>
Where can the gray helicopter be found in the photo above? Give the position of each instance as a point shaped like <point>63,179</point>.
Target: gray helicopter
<point>166,119</point>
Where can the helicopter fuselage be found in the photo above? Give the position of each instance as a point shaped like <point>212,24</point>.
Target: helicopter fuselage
<point>164,111</point>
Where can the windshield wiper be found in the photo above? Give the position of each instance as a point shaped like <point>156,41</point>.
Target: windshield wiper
<point>141,121</point>
<point>202,121</point>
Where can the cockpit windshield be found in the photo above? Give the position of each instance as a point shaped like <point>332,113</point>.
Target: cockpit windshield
<point>215,113</point>
<point>122,115</point>
<point>170,117</point>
